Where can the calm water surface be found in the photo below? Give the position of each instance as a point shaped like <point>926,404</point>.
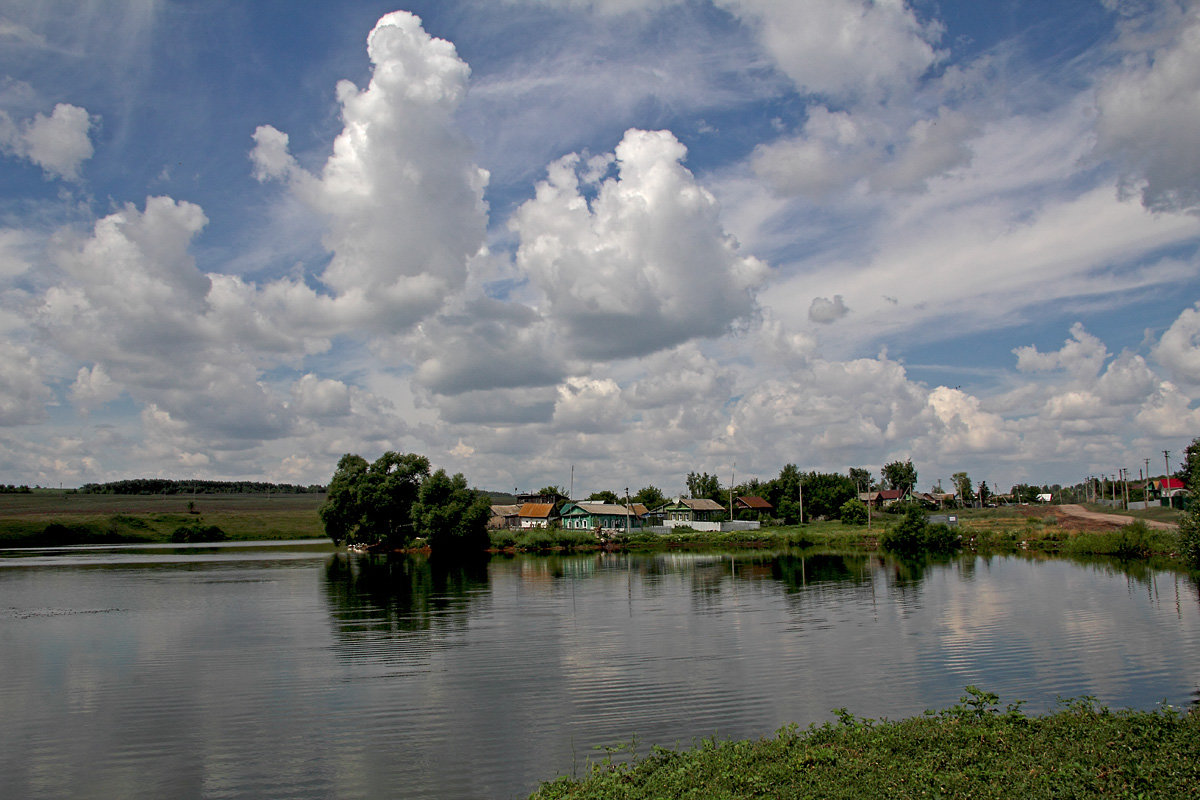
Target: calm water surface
<point>293,671</point>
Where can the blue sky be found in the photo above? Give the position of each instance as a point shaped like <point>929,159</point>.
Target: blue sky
<point>636,238</point>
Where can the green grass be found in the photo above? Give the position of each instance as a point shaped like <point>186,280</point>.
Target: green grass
<point>49,518</point>
<point>974,749</point>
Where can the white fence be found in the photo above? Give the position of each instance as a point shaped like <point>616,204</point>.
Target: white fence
<point>728,525</point>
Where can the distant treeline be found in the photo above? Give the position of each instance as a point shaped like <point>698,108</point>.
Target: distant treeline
<point>10,489</point>
<point>164,486</point>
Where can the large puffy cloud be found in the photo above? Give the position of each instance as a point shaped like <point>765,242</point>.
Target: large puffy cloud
<point>401,197</point>
<point>843,47</point>
<point>1149,115</point>
<point>1082,355</point>
<point>1179,348</point>
<point>58,143</point>
<point>634,263</point>
<point>136,309</point>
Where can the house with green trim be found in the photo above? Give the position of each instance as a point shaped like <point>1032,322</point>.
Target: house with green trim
<point>586,516</point>
<point>692,511</point>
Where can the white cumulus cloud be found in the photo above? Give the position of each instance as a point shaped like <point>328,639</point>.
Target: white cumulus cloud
<point>58,143</point>
<point>639,262</point>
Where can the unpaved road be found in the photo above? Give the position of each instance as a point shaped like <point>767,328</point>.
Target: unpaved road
<point>1095,518</point>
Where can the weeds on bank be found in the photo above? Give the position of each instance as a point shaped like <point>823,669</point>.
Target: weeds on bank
<point>972,749</point>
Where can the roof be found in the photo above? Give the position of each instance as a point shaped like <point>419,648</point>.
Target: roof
<point>891,494</point>
<point>701,504</point>
<point>1171,483</point>
<point>536,510</point>
<point>602,509</point>
<point>505,511</point>
<point>755,502</point>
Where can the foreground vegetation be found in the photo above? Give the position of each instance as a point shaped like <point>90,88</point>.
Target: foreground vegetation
<point>973,749</point>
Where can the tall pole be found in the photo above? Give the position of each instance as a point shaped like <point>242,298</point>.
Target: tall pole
<point>1167,461</point>
<point>732,479</point>
<point>801,485</point>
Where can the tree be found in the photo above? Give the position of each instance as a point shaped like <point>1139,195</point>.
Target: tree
<point>861,479</point>
<point>650,496</point>
<point>1189,470</point>
<point>605,496</point>
<point>899,475</point>
<point>340,513</point>
<point>450,515</point>
<point>853,512</point>
<point>703,485</point>
<point>962,487</point>
<point>824,494</point>
<point>984,493</point>
<point>372,503</point>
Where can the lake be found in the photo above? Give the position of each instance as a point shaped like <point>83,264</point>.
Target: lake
<point>291,670</point>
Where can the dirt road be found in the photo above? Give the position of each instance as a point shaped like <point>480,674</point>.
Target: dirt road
<point>1094,519</point>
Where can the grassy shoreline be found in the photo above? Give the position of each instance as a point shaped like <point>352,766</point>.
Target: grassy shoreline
<point>50,518</point>
<point>973,749</point>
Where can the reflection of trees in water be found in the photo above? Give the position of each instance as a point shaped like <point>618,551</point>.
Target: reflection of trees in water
<point>798,572</point>
<point>399,593</point>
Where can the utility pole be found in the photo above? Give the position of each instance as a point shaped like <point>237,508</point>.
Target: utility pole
<point>800,484</point>
<point>1167,461</point>
<point>627,509</point>
<point>732,479</point>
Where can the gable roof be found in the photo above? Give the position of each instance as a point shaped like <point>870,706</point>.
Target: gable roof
<point>505,511</point>
<point>755,502</point>
<point>536,510</point>
<point>598,509</point>
<point>1170,483</point>
<point>701,504</point>
<point>891,494</point>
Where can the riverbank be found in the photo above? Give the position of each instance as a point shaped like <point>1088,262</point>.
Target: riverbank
<point>46,518</point>
<point>974,749</point>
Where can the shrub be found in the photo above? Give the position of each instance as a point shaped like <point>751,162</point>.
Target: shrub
<point>913,534</point>
<point>196,532</point>
<point>853,512</point>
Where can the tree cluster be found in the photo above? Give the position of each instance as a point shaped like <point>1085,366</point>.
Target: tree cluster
<point>396,499</point>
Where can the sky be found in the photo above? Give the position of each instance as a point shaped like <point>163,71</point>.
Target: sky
<point>598,243</point>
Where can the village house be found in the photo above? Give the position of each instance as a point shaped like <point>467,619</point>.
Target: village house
<point>536,515</point>
<point>504,517</point>
<point>589,516</point>
<point>753,504</point>
<point>687,510</point>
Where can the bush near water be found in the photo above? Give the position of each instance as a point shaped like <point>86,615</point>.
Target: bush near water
<point>973,749</point>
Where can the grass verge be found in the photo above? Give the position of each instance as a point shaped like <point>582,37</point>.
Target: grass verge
<point>973,749</point>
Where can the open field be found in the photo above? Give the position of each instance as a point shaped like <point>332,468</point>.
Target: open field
<point>79,518</point>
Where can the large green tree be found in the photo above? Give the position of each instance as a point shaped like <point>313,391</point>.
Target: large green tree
<point>650,496</point>
<point>825,493</point>
<point>372,503</point>
<point>899,475</point>
<point>604,496</point>
<point>704,485</point>
<point>962,487</point>
<point>450,515</point>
